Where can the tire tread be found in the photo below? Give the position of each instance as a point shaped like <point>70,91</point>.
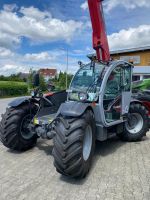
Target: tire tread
<point>10,129</point>
<point>67,151</point>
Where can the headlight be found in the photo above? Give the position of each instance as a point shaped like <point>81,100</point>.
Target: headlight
<point>83,96</point>
<point>32,93</point>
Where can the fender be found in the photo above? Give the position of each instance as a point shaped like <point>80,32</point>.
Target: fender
<point>135,100</point>
<point>19,101</point>
<point>140,102</point>
<point>72,109</point>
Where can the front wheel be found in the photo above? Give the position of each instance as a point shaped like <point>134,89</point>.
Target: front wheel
<point>14,131</point>
<point>74,145</point>
<point>136,126</point>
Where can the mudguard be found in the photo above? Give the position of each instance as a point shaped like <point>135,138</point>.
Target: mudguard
<point>135,100</point>
<point>72,109</point>
<point>17,102</point>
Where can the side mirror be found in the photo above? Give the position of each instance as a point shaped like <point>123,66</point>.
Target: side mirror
<point>36,80</point>
<point>80,64</point>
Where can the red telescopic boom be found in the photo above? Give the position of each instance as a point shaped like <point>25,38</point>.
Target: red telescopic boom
<point>100,42</point>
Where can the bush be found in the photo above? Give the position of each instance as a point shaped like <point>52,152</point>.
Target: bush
<point>12,88</point>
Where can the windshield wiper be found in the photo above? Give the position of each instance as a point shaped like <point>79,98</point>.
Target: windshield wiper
<point>93,84</point>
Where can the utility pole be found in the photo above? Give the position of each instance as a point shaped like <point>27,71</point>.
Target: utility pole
<point>67,64</point>
<point>67,69</point>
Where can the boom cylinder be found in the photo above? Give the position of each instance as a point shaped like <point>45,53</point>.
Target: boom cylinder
<point>100,41</point>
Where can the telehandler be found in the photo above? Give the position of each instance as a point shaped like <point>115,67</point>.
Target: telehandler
<point>99,105</point>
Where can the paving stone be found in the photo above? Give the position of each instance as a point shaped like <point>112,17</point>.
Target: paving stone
<point>120,171</point>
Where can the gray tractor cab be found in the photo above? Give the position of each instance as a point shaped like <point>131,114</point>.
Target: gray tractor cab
<point>104,89</point>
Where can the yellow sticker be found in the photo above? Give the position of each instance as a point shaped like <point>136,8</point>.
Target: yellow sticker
<point>35,121</point>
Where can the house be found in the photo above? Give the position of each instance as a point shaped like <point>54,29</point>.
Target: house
<point>48,73</point>
<point>141,73</point>
<point>140,57</point>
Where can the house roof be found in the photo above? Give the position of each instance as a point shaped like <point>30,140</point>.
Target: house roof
<point>48,72</point>
<point>121,51</point>
<point>130,50</point>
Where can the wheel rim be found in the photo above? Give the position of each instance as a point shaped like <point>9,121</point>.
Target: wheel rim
<point>87,143</point>
<point>135,123</point>
<point>24,128</point>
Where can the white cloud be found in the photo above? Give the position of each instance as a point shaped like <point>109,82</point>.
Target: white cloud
<point>48,59</point>
<point>5,52</point>
<point>8,69</point>
<point>34,13</point>
<point>39,57</point>
<point>132,37</point>
<point>84,5</point>
<point>35,25</point>
<point>13,63</point>
<point>9,66</point>
<point>128,4</point>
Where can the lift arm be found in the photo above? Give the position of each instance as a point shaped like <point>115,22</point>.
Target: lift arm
<point>100,42</point>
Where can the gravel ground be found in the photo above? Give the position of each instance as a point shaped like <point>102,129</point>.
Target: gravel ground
<point>120,171</point>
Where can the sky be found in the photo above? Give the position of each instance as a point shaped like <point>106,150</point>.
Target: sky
<point>37,34</point>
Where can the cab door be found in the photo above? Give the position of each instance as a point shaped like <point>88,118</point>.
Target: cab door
<point>117,95</point>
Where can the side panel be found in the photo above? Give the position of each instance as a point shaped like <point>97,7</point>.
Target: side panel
<point>58,97</point>
<point>126,99</point>
<point>72,108</point>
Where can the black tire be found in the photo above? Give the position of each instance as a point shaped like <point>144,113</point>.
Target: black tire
<point>68,145</point>
<point>12,127</point>
<point>128,135</point>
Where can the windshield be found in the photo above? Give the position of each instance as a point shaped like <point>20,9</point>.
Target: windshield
<point>87,80</point>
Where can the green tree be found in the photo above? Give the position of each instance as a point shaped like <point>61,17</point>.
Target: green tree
<point>43,85</point>
<point>15,77</point>
<point>30,78</point>
<point>60,83</point>
<point>12,77</point>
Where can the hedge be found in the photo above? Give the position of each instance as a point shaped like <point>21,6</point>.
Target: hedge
<point>11,88</point>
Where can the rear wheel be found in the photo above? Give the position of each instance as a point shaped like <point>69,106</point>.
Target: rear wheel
<point>137,124</point>
<point>14,128</point>
<point>74,145</point>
